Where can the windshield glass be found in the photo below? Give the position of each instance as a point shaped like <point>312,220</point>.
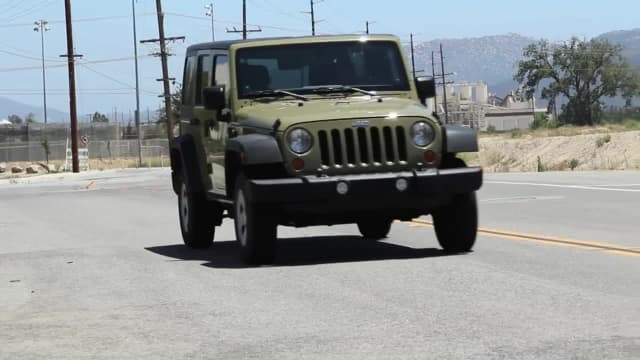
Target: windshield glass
<point>373,66</point>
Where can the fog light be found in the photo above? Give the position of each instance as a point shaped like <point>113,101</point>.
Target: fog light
<point>342,188</point>
<point>430,157</point>
<point>402,184</point>
<point>297,164</point>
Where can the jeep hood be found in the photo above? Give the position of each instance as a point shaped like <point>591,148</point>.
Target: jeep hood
<point>263,115</point>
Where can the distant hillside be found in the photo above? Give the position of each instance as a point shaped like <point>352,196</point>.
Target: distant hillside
<point>630,39</point>
<point>10,107</point>
<point>493,59</point>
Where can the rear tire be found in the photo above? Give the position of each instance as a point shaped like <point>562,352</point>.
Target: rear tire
<point>256,231</point>
<point>375,229</point>
<point>197,217</point>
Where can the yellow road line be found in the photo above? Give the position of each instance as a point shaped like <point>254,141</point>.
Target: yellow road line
<point>543,239</point>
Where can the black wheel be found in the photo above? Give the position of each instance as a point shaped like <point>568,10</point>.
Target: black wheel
<point>456,224</point>
<point>256,231</point>
<point>197,217</point>
<point>375,229</point>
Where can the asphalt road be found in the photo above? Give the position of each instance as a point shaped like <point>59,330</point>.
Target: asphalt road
<point>92,266</point>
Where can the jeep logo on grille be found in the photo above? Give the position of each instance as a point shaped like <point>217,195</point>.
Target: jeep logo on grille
<point>360,124</point>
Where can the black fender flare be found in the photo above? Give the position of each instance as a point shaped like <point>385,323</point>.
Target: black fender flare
<point>460,139</point>
<point>255,149</point>
<point>184,161</point>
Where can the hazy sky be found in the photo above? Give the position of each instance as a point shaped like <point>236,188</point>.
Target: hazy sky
<point>103,31</point>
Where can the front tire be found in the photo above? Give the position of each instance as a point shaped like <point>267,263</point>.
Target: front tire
<point>456,224</point>
<point>197,217</point>
<point>256,231</point>
<point>375,229</point>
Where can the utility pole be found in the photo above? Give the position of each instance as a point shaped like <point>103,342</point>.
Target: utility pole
<point>433,75</point>
<point>135,54</point>
<point>367,26</point>
<point>164,55</point>
<point>413,58</point>
<point>209,12</point>
<point>312,12</point>
<point>313,18</point>
<point>71,59</point>
<point>41,26</point>
<point>244,30</point>
<point>444,87</point>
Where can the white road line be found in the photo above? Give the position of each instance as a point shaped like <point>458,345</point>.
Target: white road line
<point>617,185</point>
<point>576,187</point>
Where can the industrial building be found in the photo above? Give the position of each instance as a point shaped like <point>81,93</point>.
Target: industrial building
<point>471,104</point>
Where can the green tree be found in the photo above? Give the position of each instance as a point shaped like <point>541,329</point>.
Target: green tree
<point>30,118</point>
<point>99,118</point>
<point>15,119</point>
<point>584,72</point>
<point>176,107</point>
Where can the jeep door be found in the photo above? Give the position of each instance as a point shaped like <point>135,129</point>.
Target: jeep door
<point>218,124</point>
<point>203,69</point>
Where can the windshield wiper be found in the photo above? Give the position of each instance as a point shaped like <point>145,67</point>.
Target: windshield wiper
<point>275,93</point>
<point>341,89</point>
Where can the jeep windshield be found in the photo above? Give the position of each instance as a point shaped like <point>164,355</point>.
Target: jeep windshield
<point>321,68</point>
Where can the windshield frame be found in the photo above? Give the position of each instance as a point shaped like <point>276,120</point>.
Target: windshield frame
<point>405,86</point>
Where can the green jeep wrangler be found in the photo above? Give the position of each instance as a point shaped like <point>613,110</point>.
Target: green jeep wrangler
<point>316,131</point>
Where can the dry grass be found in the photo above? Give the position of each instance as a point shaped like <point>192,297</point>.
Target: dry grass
<point>567,130</point>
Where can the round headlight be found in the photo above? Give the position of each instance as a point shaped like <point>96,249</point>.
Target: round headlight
<point>422,134</point>
<point>299,141</point>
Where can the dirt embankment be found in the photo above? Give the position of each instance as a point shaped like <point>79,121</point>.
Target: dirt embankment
<point>591,151</point>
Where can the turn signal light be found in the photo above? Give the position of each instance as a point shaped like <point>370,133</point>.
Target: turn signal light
<point>297,164</point>
<point>430,157</point>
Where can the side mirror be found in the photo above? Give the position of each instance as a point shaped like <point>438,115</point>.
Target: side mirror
<point>214,98</point>
<point>426,88</point>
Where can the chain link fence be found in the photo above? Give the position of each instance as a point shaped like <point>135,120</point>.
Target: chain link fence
<point>28,143</point>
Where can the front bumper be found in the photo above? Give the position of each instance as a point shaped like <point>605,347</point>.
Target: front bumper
<point>369,191</point>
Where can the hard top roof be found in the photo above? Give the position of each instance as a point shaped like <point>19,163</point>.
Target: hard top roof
<point>225,45</point>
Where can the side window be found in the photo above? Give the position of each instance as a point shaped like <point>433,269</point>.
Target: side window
<point>221,71</point>
<point>202,76</point>
<point>188,81</point>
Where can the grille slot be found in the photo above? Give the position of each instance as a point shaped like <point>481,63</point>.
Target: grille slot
<point>324,147</point>
<point>337,147</point>
<point>351,146</point>
<point>363,146</point>
<point>388,144</point>
<point>375,145</point>
<point>402,143</point>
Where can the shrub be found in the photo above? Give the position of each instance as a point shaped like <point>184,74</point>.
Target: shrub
<point>603,140</point>
<point>540,166</point>
<point>539,121</point>
<point>573,164</point>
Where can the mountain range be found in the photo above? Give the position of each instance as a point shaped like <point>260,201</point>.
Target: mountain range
<point>11,107</point>
<point>492,59</point>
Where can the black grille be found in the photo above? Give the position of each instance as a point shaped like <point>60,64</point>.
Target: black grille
<point>363,146</point>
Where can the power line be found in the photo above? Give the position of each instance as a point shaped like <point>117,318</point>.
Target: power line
<point>39,6</point>
<point>79,20</point>
<point>235,22</point>
<point>104,61</point>
<point>108,77</point>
